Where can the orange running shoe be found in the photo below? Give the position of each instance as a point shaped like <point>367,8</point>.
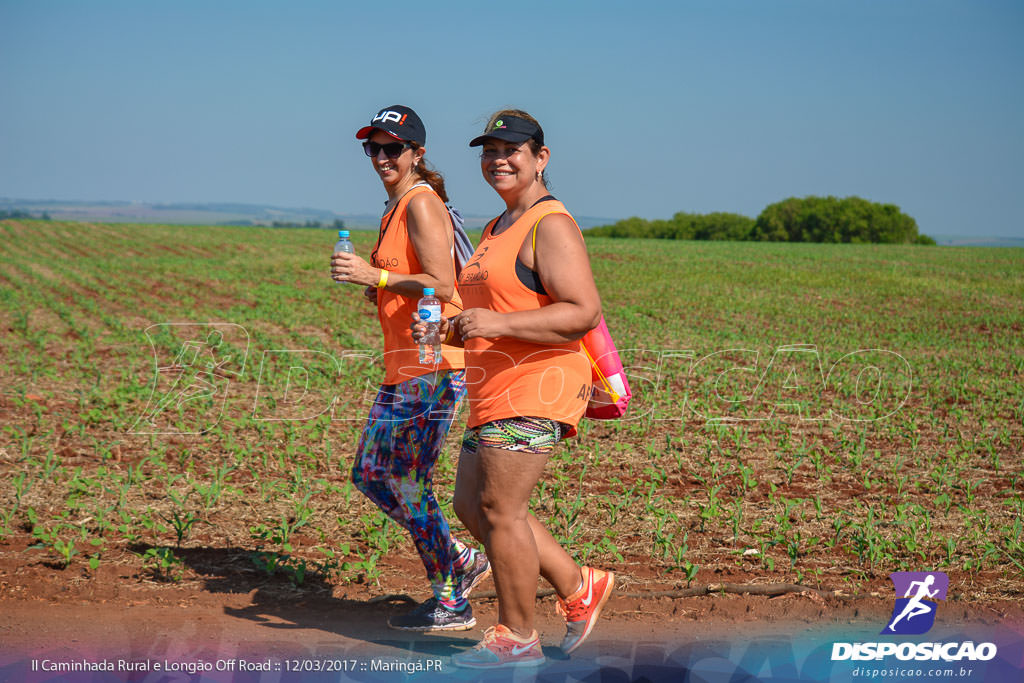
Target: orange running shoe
<point>582,608</point>
<point>501,649</point>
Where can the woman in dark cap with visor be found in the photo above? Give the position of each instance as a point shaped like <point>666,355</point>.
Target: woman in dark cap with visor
<point>414,409</point>
<point>529,296</point>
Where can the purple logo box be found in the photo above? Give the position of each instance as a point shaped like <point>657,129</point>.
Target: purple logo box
<point>917,596</point>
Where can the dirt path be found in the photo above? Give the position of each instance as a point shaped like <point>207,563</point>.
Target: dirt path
<point>708,638</point>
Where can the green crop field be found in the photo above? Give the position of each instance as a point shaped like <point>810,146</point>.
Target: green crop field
<point>814,414</point>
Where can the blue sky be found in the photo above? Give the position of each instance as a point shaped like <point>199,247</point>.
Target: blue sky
<point>649,107</point>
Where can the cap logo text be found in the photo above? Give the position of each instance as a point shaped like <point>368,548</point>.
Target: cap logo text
<point>388,116</point>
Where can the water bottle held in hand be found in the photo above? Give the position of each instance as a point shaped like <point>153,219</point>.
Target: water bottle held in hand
<point>343,244</point>
<point>429,309</point>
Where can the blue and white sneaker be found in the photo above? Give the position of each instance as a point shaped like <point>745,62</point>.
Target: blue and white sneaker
<point>433,616</point>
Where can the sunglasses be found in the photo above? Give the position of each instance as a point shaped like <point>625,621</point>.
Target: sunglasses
<point>392,149</point>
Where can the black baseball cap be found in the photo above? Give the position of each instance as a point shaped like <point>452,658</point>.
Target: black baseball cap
<point>399,122</point>
<point>511,129</point>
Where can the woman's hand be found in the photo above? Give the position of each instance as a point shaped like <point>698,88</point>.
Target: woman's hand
<point>371,294</point>
<point>419,328</point>
<point>480,322</point>
<point>351,268</point>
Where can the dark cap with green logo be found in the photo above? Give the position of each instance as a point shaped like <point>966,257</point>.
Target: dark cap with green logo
<point>511,129</point>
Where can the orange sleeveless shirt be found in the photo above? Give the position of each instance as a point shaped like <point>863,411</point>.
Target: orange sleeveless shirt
<point>510,377</point>
<point>395,252</point>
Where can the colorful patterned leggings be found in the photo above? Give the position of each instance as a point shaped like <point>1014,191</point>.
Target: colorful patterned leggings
<point>394,466</point>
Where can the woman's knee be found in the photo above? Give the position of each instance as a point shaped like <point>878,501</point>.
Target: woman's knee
<point>371,482</point>
<point>495,510</point>
<point>359,478</point>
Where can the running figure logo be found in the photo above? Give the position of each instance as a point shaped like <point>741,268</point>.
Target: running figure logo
<point>917,599</point>
<point>195,364</point>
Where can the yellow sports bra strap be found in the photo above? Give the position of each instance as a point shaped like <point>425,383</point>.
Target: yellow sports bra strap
<point>533,243</point>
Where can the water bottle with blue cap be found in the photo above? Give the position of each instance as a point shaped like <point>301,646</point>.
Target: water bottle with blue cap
<point>429,308</point>
<point>344,244</point>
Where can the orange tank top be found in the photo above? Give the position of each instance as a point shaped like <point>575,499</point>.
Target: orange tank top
<point>510,377</point>
<point>395,252</point>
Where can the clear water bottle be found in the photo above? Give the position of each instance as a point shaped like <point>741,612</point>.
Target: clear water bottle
<point>429,309</point>
<point>343,244</point>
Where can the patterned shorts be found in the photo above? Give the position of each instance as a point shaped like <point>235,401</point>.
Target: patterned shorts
<point>522,434</point>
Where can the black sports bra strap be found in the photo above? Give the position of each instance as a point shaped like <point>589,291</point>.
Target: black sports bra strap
<point>545,198</point>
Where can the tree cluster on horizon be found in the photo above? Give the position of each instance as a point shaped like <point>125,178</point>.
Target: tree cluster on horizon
<point>337,224</point>
<point>17,213</point>
<point>810,219</point>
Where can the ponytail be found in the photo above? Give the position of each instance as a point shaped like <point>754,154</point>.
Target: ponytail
<point>431,176</point>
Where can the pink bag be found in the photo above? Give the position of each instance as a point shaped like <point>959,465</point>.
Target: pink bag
<point>610,395</point>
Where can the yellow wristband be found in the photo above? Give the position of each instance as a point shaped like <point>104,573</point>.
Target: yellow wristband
<point>382,283</point>
<point>451,333</point>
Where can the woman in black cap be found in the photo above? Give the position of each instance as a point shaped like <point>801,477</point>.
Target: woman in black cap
<point>529,296</point>
<point>415,407</point>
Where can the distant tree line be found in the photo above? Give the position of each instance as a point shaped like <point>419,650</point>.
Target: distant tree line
<point>811,219</point>
<point>338,224</point>
<point>16,213</point>
<point>682,226</point>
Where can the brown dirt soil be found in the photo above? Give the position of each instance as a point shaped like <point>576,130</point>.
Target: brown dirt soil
<point>223,611</point>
